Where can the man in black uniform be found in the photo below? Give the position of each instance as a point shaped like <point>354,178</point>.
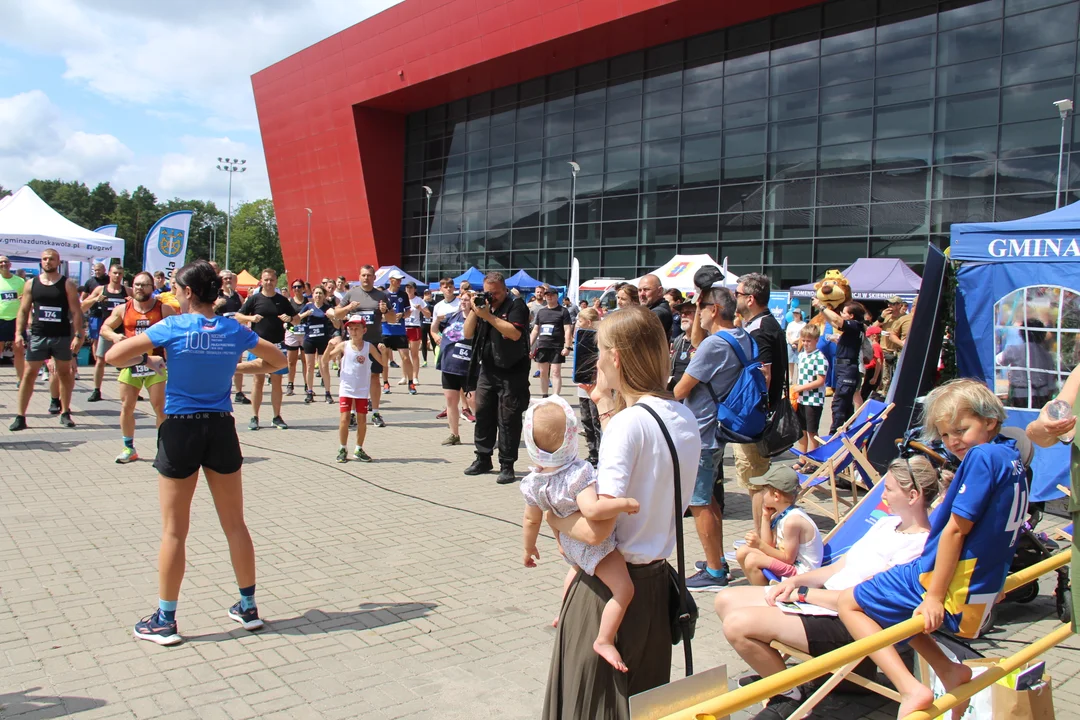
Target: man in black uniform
<point>267,312</point>
<point>369,302</point>
<point>551,335</point>
<point>99,305</point>
<point>498,323</point>
<point>848,358</point>
<point>56,331</point>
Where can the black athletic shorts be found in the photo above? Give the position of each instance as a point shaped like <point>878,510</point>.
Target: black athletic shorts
<point>810,417</point>
<point>550,355</point>
<point>315,345</point>
<point>188,442</point>
<point>7,330</point>
<point>825,634</point>
<point>453,382</point>
<point>376,366</point>
<point>396,342</point>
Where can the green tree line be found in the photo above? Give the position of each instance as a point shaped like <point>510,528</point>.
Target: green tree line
<point>254,236</point>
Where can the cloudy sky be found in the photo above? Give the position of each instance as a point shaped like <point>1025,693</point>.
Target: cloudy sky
<point>150,92</point>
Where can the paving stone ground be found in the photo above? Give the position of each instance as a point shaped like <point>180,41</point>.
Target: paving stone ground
<point>391,590</point>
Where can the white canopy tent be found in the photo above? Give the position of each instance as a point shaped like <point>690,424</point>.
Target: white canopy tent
<point>28,226</point>
<point>679,271</point>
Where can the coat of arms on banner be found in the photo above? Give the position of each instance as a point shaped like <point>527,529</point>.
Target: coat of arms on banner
<point>170,241</point>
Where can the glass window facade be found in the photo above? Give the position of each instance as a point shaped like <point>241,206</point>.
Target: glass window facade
<point>790,145</point>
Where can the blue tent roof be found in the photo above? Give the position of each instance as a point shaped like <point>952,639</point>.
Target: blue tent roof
<point>522,281</point>
<point>382,277</point>
<point>474,276</point>
<point>1053,235</point>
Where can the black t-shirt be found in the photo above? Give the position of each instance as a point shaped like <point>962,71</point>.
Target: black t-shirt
<point>270,328</point>
<point>90,286</point>
<point>514,311</point>
<point>663,311</point>
<point>849,346</point>
<point>232,305</point>
<point>552,323</point>
<point>772,351</point>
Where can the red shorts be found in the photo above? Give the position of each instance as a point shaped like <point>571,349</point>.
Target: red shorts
<point>413,333</point>
<point>782,569</point>
<point>347,404</point>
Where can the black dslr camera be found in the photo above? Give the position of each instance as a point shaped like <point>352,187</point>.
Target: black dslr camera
<point>481,299</point>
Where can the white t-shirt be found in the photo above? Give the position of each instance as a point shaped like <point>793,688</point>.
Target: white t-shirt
<point>635,462</point>
<point>878,550</point>
<point>355,372</point>
<point>794,329</point>
<point>445,309</point>
<point>413,318</point>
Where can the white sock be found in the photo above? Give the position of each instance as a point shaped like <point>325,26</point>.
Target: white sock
<point>794,693</point>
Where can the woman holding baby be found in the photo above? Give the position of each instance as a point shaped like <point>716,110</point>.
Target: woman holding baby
<point>635,462</point>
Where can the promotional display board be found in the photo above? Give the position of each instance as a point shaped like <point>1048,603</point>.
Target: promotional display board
<point>1018,318</point>
<point>166,244</point>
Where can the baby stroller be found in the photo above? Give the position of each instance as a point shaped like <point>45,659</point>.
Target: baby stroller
<point>1031,546</point>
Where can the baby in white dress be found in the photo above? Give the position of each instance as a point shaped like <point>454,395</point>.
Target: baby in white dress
<point>565,484</point>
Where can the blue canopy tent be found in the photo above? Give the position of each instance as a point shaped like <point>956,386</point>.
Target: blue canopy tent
<point>382,277</point>
<point>1018,318</point>
<point>522,281</point>
<point>473,276</point>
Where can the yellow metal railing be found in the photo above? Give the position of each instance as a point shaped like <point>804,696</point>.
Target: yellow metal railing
<point>743,697</point>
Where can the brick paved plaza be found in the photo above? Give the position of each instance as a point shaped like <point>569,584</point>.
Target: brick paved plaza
<point>390,590</point>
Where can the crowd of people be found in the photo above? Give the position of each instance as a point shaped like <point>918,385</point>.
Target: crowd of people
<point>663,367</point>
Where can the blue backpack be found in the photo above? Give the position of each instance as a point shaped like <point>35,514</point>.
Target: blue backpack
<point>742,413</point>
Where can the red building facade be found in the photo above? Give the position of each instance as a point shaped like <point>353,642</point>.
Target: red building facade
<point>333,116</point>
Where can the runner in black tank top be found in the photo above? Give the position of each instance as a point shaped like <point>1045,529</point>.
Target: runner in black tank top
<point>101,302</point>
<point>51,304</point>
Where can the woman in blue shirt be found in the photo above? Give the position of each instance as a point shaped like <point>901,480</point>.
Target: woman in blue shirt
<point>199,431</point>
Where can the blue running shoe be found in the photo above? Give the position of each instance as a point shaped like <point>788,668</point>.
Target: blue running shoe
<point>157,631</point>
<point>702,581</point>
<point>248,618</point>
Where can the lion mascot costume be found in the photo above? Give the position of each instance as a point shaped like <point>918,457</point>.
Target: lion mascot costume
<point>833,290</point>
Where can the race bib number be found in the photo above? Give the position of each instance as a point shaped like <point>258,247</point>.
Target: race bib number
<point>9,295</point>
<point>49,313</point>
<point>315,331</point>
<point>547,329</point>
<point>367,316</point>
<point>462,353</point>
<point>141,371</point>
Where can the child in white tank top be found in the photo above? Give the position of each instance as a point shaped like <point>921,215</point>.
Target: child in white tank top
<point>789,543</point>
<point>353,401</point>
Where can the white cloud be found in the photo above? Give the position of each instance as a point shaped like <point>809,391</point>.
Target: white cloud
<point>35,141</point>
<point>165,53</point>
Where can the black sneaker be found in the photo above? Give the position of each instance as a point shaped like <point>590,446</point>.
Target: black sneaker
<point>703,581</point>
<point>506,474</point>
<point>780,707</point>
<point>352,419</point>
<point>66,421</point>
<point>342,455</point>
<point>309,397</point>
<point>19,423</point>
<point>241,399</point>
<point>279,423</point>
<point>329,398</point>
<point>248,618</point>
<point>394,365</point>
<point>95,395</point>
<point>377,421</point>
<point>253,424</point>
<point>157,631</point>
<point>701,565</point>
<point>290,389</point>
<point>54,406</point>
<point>481,465</point>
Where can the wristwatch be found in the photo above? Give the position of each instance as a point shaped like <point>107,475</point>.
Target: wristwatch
<point>801,593</point>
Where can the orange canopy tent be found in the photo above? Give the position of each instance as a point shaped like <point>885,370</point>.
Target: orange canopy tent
<point>245,281</point>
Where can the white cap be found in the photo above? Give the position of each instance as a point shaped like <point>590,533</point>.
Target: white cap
<point>397,275</point>
<point>356,320</point>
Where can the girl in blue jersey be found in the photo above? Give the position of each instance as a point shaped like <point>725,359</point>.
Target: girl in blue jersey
<point>198,432</point>
<point>972,539</point>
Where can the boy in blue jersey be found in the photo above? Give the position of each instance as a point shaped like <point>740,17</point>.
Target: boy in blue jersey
<point>972,539</point>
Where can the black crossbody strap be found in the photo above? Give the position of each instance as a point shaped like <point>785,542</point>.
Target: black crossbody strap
<point>684,613</point>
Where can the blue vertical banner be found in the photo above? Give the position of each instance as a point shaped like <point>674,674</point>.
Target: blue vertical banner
<point>778,306</point>
<point>166,243</point>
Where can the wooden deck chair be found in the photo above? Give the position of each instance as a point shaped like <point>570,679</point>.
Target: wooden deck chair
<point>870,411</point>
<point>823,479</point>
<point>847,532</point>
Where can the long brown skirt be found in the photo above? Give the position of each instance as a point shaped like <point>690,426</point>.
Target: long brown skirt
<point>583,685</point>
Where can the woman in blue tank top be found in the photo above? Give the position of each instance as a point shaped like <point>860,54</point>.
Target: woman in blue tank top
<point>203,350</point>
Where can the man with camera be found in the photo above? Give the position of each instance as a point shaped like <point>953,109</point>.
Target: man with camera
<point>497,327</point>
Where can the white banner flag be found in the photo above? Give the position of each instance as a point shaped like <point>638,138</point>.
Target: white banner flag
<point>575,282</point>
<point>166,243</point>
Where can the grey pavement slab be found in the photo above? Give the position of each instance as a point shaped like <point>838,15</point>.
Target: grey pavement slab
<point>390,590</point>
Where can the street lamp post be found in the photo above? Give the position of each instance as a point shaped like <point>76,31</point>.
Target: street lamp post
<point>231,166</point>
<point>307,275</point>
<point>213,242</point>
<point>574,170</point>
<point>1064,108</point>
<point>427,227</point>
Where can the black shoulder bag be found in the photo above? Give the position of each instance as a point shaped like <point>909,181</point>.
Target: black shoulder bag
<point>682,608</point>
<point>782,427</point>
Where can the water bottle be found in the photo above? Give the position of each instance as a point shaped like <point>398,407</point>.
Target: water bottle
<point>1059,410</point>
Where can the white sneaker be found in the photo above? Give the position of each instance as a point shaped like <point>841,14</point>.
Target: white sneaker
<point>403,381</point>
